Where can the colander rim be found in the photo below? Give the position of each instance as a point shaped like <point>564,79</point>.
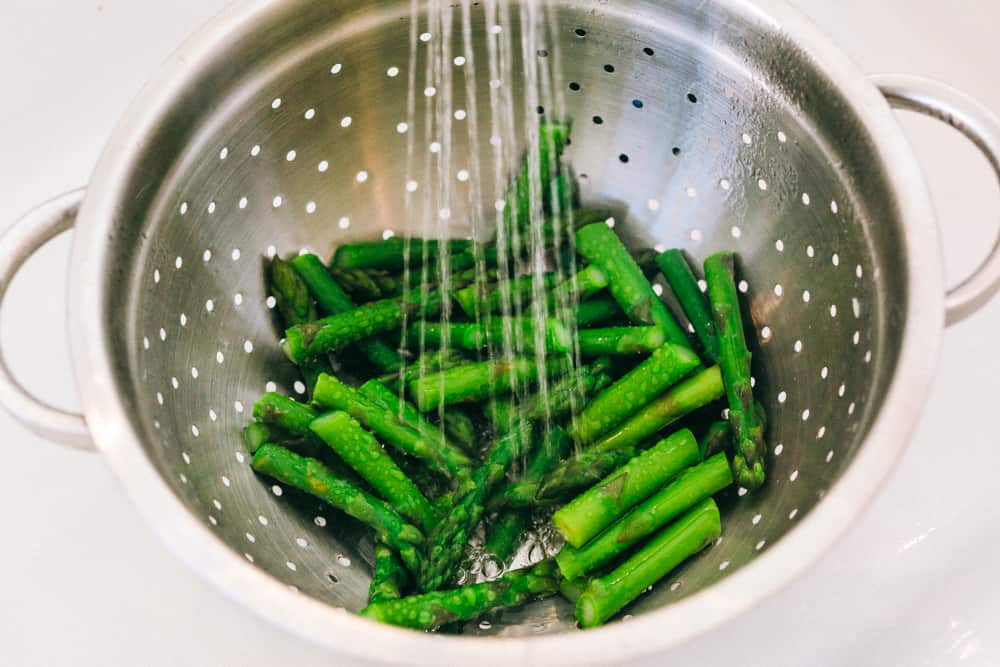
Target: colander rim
<point>651,632</point>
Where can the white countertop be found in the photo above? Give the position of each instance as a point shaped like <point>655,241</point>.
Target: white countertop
<point>84,582</point>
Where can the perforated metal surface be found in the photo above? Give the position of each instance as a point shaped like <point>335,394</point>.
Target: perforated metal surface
<point>707,134</point>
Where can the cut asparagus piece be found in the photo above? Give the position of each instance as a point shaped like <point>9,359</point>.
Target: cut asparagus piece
<point>473,336</point>
<point>684,284</point>
<point>598,310</point>
<point>384,397</point>
<point>284,412</point>
<point>627,284</point>
<point>563,395</point>
<point>333,394</point>
<point>360,450</point>
<point>290,293</point>
<point>734,360</point>
<point>690,488</point>
<point>664,367</point>
<point>519,289</point>
<point>314,478</point>
<point>607,595</point>
<point>430,362</point>
<point>683,398</point>
<point>434,609</point>
<point>361,285</point>
<point>446,543</point>
<point>506,532</point>
<point>391,253</point>
<point>620,340</point>
<point>593,511</point>
<point>305,341</point>
<point>461,428</point>
<point>332,300</point>
<point>587,282</point>
<point>622,443</point>
<point>572,590</point>
<point>389,577</point>
<point>471,382</point>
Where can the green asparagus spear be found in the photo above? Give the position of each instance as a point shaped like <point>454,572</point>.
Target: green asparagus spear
<point>620,340</point>
<point>520,288</point>
<point>607,595</point>
<point>446,543</point>
<point>471,382</point>
<point>390,253</point>
<point>359,284</point>
<point>332,394</point>
<point>389,577</point>
<point>587,282</point>
<point>331,333</point>
<point>430,362</point>
<point>630,288</point>
<point>562,395</point>
<point>595,311</point>
<point>460,335</point>
<point>290,294</point>
<point>522,333</point>
<point>259,433</point>
<point>295,307</point>
<point>590,513</point>
<point>684,284</point>
<point>378,393</point>
<point>284,412</point>
<point>362,452</point>
<point>572,589</point>
<point>690,488</point>
<point>734,360</point>
<point>434,609</point>
<point>333,300</point>
<point>506,532</point>
<point>665,366</point>
<point>622,443</point>
<point>696,391</point>
<point>314,478</point>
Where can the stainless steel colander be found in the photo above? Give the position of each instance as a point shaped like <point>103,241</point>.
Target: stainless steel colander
<point>724,124</point>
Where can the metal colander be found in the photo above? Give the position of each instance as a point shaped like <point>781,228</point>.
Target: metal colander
<point>711,125</point>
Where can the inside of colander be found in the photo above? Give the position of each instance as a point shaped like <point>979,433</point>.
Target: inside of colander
<point>696,120</point>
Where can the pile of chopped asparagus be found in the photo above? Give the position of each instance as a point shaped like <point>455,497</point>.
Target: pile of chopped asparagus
<point>582,416</point>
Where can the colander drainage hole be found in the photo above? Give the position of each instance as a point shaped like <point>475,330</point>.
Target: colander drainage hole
<point>332,577</point>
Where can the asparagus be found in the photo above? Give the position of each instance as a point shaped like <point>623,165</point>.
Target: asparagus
<point>359,449</point>
<point>587,282</point>
<point>332,394</point>
<point>684,284</point>
<point>333,300</point>
<point>552,140</point>
<point>734,360</point>
<point>696,391</point>
<point>562,394</point>
<point>290,294</point>
<point>621,444</point>
<point>595,311</point>
<point>430,362</point>
<point>607,595</point>
<point>471,382</point>
<point>331,333</point>
<point>505,533</point>
<point>620,340</point>
<point>284,412</point>
<point>446,542</point>
<point>572,589</point>
<point>690,488</point>
<point>361,284</point>
<point>378,393</point>
<point>630,288</point>
<point>258,433</point>
<point>314,478</point>
<point>474,336</point>
<point>389,577</point>
<point>295,307</point>
<point>434,609</point>
<point>390,253</point>
<point>590,513</point>
<point>665,366</point>
<point>521,288</point>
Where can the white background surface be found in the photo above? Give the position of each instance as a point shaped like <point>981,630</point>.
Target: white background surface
<point>84,582</point>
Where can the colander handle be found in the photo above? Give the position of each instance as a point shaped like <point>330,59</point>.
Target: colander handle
<point>17,244</point>
<point>982,127</point>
